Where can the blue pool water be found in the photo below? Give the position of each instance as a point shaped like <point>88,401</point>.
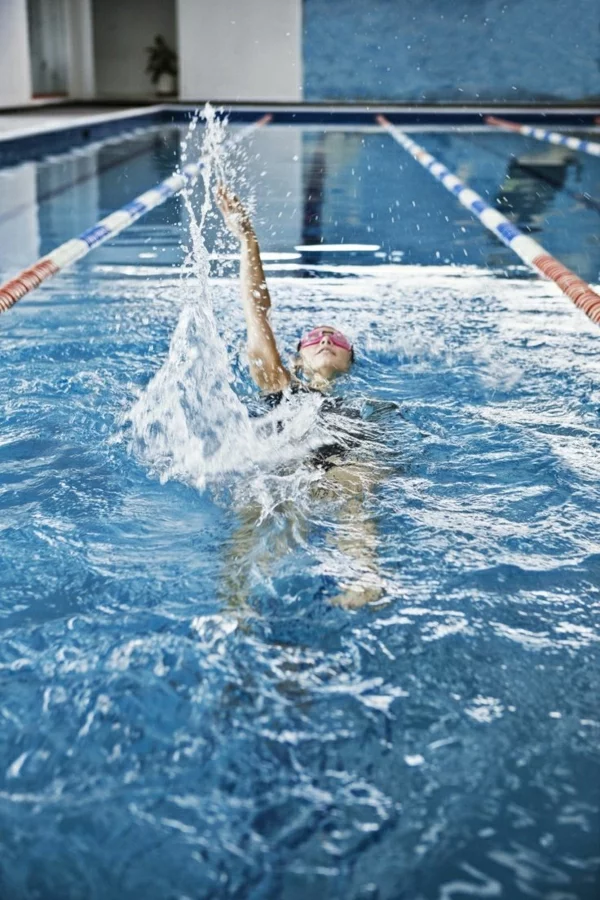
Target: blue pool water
<point>186,710</point>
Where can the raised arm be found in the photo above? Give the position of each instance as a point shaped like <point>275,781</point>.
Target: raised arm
<point>266,366</point>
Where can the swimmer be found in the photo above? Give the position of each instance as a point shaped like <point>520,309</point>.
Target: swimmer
<point>324,353</point>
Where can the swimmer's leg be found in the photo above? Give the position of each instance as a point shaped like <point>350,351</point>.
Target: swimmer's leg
<point>355,534</point>
<point>260,541</point>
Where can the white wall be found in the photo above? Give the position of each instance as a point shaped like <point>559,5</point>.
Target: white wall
<point>240,49</point>
<point>122,31</point>
<point>15,77</point>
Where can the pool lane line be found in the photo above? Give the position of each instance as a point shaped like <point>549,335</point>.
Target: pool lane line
<point>550,137</point>
<point>75,249</point>
<point>532,253</point>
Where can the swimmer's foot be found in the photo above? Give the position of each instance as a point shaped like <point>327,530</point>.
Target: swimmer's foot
<point>356,595</point>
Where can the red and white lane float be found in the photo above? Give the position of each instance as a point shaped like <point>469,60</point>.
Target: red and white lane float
<point>532,253</point>
<point>550,137</point>
<point>107,228</point>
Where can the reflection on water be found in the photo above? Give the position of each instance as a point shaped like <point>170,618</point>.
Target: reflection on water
<point>531,185</point>
<point>313,176</point>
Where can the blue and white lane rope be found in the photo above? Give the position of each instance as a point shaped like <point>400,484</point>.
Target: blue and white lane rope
<point>76,248</point>
<point>550,137</point>
<point>532,253</point>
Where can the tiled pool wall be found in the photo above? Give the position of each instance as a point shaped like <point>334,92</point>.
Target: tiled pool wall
<point>496,51</point>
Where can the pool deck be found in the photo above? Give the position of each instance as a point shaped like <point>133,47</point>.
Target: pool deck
<point>55,117</point>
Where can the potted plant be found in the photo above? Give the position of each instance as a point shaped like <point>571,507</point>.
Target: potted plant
<point>162,66</point>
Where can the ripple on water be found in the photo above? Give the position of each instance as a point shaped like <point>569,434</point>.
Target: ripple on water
<point>185,713</point>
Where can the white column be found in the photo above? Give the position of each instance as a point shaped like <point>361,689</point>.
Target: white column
<point>15,75</point>
<point>240,50</point>
<point>80,50</point>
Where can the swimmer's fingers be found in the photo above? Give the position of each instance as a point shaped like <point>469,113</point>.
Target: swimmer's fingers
<point>226,199</point>
<point>233,210</point>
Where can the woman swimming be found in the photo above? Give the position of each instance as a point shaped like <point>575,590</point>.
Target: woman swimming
<point>323,353</point>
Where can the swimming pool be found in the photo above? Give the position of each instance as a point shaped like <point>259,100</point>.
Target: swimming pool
<point>185,712</point>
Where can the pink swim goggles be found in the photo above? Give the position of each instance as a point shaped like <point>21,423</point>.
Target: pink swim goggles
<point>316,336</point>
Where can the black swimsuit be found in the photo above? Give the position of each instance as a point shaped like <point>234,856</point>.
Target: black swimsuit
<point>336,453</point>
<point>296,387</point>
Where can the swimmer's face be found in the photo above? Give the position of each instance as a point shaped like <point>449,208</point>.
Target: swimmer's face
<point>325,352</point>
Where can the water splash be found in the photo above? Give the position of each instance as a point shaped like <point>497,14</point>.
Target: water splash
<point>188,423</point>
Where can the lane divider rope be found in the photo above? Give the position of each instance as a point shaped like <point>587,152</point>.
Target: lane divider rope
<point>76,248</point>
<point>532,253</point>
<point>551,137</point>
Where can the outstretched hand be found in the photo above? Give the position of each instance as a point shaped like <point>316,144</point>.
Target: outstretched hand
<point>234,212</point>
